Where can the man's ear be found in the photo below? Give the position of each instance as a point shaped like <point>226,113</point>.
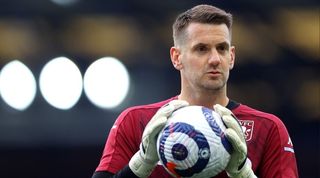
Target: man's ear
<point>232,57</point>
<point>175,57</point>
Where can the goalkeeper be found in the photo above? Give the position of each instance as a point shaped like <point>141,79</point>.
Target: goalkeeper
<point>203,54</point>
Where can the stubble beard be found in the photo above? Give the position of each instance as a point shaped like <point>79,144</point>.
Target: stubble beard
<point>217,86</point>
<point>213,85</point>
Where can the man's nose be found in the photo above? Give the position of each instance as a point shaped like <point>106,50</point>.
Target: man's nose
<point>214,57</point>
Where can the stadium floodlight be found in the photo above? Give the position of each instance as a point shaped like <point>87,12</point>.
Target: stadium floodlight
<point>17,85</point>
<point>60,83</point>
<point>106,82</point>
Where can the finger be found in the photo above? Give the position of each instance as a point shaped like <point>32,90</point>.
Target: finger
<point>155,122</point>
<point>173,105</point>
<point>238,145</point>
<point>159,120</point>
<point>167,110</point>
<point>231,122</point>
<point>152,130</point>
<point>178,103</point>
<point>221,110</point>
<point>159,125</point>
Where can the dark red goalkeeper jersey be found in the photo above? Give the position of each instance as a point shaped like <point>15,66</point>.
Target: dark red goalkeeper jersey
<point>269,146</point>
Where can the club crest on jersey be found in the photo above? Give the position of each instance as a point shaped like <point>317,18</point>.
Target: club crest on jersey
<point>247,128</point>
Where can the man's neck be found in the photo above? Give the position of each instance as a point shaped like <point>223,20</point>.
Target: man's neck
<point>207,100</point>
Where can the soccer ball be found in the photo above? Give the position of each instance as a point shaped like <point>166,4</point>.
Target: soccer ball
<point>192,143</point>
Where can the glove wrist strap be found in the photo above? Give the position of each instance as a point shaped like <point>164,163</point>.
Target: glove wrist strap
<point>244,172</point>
<point>141,167</point>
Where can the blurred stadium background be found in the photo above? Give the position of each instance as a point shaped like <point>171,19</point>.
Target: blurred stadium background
<point>277,71</point>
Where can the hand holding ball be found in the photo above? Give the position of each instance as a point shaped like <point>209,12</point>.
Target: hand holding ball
<point>192,143</point>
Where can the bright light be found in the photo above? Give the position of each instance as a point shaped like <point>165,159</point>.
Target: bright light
<point>61,83</point>
<point>17,85</point>
<point>106,82</point>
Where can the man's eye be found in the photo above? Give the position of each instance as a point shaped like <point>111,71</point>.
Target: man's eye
<point>221,48</point>
<point>202,48</point>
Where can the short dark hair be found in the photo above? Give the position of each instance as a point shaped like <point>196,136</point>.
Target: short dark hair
<point>202,14</point>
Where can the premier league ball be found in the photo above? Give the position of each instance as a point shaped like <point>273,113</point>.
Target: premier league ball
<point>192,144</point>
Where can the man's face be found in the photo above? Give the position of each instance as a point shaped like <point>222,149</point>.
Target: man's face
<point>206,56</point>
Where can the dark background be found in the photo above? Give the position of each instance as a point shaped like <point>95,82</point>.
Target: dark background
<point>277,71</point>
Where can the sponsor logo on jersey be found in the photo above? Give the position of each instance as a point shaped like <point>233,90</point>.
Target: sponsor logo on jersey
<point>247,128</point>
<point>289,146</point>
<point>290,142</point>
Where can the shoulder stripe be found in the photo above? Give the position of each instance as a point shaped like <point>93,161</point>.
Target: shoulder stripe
<point>289,149</point>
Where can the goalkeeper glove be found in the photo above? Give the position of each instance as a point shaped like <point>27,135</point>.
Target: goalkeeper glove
<point>239,165</point>
<point>143,162</point>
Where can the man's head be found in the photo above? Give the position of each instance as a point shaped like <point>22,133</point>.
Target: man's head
<point>202,50</point>
<point>202,14</point>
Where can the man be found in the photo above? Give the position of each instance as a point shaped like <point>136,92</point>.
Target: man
<point>203,54</point>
